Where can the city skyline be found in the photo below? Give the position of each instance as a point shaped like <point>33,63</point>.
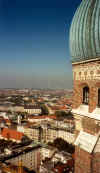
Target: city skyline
<point>34,43</point>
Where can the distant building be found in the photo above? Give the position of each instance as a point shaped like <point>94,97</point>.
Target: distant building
<point>47,151</point>
<point>13,135</point>
<point>33,132</point>
<point>46,129</point>
<point>32,109</point>
<point>54,132</point>
<point>57,162</point>
<point>16,108</point>
<point>42,118</point>
<point>30,157</point>
<point>29,154</point>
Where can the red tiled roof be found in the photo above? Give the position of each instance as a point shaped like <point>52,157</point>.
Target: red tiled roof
<point>63,107</point>
<point>42,117</point>
<point>73,156</point>
<point>11,134</point>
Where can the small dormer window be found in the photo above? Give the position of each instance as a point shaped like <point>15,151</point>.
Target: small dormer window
<point>99,97</point>
<point>85,95</point>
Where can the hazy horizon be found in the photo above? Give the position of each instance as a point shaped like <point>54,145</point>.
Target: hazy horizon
<point>34,43</point>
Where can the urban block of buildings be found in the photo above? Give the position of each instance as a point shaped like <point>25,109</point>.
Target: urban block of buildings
<point>48,128</point>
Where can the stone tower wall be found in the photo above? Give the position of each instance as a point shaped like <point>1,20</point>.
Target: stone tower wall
<point>86,74</point>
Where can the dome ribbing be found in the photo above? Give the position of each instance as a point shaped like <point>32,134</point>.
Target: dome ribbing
<point>85,32</point>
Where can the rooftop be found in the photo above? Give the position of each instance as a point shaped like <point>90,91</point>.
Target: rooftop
<point>11,134</point>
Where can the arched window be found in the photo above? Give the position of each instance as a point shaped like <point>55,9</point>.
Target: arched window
<point>99,97</point>
<point>85,95</point>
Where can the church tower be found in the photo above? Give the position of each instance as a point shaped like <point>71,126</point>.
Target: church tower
<point>85,53</point>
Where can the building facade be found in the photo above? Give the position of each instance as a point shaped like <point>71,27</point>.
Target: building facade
<point>33,132</point>
<point>47,133</point>
<point>30,158</point>
<point>33,109</point>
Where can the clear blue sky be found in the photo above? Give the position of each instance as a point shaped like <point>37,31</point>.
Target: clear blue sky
<point>34,43</point>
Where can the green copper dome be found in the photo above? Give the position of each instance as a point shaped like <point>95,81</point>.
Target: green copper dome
<point>85,32</point>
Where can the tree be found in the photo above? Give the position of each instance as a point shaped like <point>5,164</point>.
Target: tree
<point>44,109</point>
<point>9,112</point>
<point>63,145</point>
<point>62,115</point>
